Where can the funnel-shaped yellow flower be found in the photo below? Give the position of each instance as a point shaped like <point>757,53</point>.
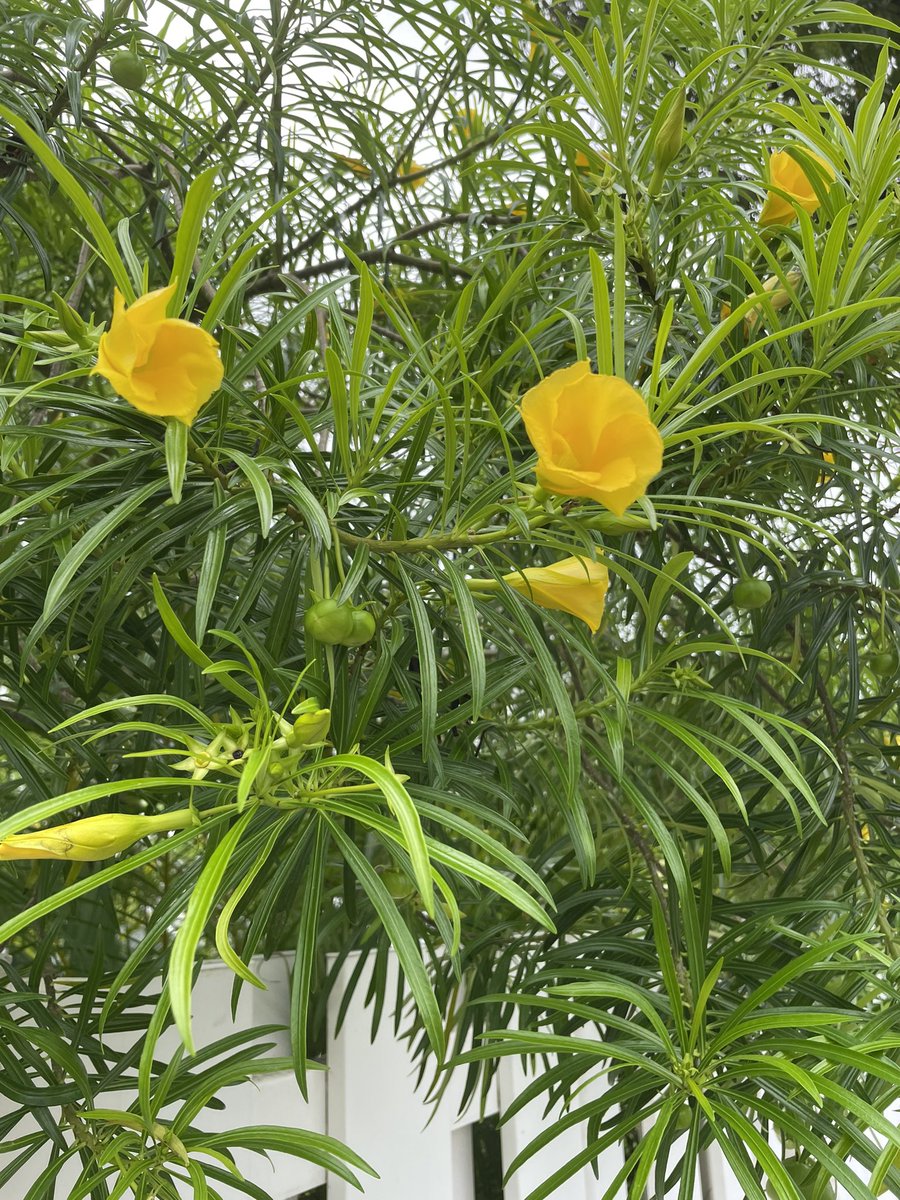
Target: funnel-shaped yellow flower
<point>93,838</point>
<point>159,364</point>
<point>794,188</point>
<point>573,585</point>
<point>593,437</point>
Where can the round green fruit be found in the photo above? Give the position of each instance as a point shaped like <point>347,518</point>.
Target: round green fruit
<point>397,884</point>
<point>884,662</point>
<point>751,593</point>
<point>809,1179</point>
<point>128,70</point>
<point>363,628</point>
<point>329,622</point>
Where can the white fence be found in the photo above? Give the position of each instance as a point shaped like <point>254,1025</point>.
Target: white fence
<point>367,1098</point>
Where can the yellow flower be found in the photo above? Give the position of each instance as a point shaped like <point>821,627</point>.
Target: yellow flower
<point>826,476</point>
<point>789,177</point>
<point>93,838</point>
<point>159,364</point>
<point>779,297</point>
<point>356,165</point>
<point>573,585</point>
<point>593,437</point>
<point>468,123</point>
<point>410,167</point>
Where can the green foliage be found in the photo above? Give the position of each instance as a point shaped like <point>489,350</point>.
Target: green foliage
<point>669,849</point>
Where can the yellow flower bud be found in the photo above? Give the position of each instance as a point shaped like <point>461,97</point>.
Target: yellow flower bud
<point>356,165</point>
<point>573,585</point>
<point>593,436</point>
<point>93,838</point>
<point>793,188</point>
<point>159,364</point>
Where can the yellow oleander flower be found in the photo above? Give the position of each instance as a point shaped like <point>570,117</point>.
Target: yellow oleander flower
<point>573,585</point>
<point>410,167</point>
<point>93,838</point>
<point>780,296</point>
<point>356,165</point>
<point>826,476</point>
<point>161,365</point>
<point>593,437</point>
<point>789,177</point>
<point>468,123</point>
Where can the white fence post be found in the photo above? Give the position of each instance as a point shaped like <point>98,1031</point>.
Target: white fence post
<point>373,1106</point>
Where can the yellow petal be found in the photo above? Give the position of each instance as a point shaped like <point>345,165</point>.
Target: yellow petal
<point>159,364</point>
<point>573,585</point>
<point>593,437</point>
<point>793,187</point>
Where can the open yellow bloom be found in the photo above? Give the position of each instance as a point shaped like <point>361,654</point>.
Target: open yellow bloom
<point>573,585</point>
<point>788,176</point>
<point>93,838</point>
<point>593,437</point>
<point>159,364</point>
<point>410,167</point>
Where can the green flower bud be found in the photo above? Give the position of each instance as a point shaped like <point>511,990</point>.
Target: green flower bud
<point>310,728</point>
<point>669,137</point>
<point>128,70</point>
<point>71,321</point>
<point>751,593</point>
<point>329,622</point>
<point>363,628</point>
<point>582,204</point>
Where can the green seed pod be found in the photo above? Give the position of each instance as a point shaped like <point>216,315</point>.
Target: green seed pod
<point>399,886</point>
<point>683,1118</point>
<point>363,628</point>
<point>128,70</point>
<point>329,622</point>
<point>751,593</point>
<point>885,662</point>
<point>809,1179</point>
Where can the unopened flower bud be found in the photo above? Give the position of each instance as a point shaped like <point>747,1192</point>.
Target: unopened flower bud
<point>669,138</point>
<point>310,728</point>
<point>93,838</point>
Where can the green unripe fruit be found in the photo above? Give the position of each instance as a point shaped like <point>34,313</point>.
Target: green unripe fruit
<point>683,1118</point>
<point>397,884</point>
<point>128,70</point>
<point>751,593</point>
<point>363,628</point>
<point>885,662</point>
<point>809,1178</point>
<point>329,622</point>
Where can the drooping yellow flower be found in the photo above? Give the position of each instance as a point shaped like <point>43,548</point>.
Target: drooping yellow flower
<point>573,585</point>
<point>161,365</point>
<point>593,437</point>
<point>93,838</point>
<point>780,296</point>
<point>794,188</point>
<point>356,165</point>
